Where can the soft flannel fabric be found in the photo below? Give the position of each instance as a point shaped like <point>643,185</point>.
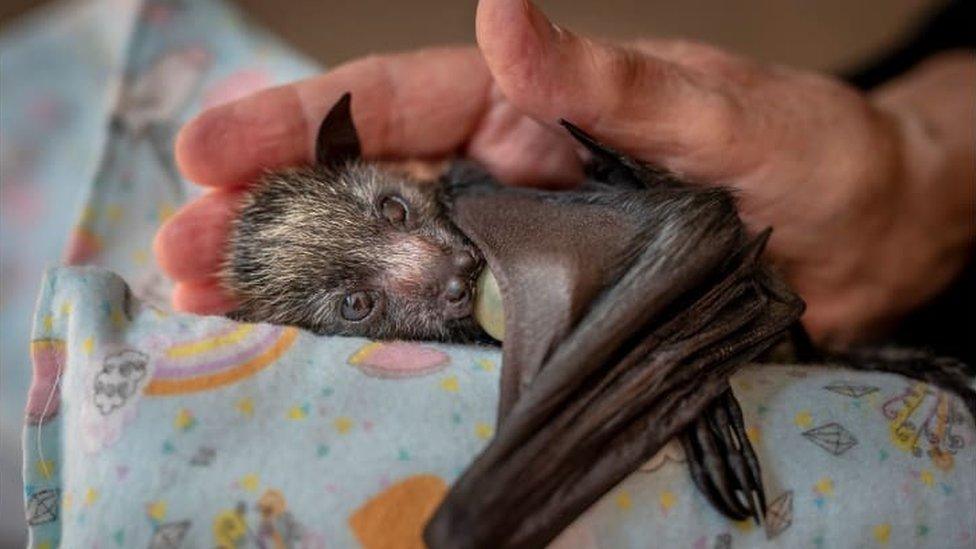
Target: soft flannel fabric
<point>147,428</point>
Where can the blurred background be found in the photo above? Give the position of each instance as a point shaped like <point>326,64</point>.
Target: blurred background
<point>829,35</point>
<point>822,34</point>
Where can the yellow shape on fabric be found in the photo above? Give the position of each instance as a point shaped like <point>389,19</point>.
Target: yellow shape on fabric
<point>66,308</point>
<point>825,486</point>
<point>166,211</point>
<point>87,215</point>
<point>342,424</point>
<point>46,544</point>
<point>184,419</point>
<point>228,529</point>
<point>483,430</point>
<point>245,406</point>
<point>88,345</point>
<point>623,500</point>
<point>667,499</point>
<point>803,419</point>
<point>118,319</point>
<point>66,501</point>
<point>485,364</point>
<point>250,482</point>
<point>364,352</point>
<point>45,467</point>
<point>91,496</point>
<point>211,343</point>
<point>926,477</point>
<point>114,213</point>
<point>882,533</point>
<point>743,525</point>
<point>752,433</point>
<point>48,323</point>
<point>296,412</point>
<point>156,510</point>
<point>901,430</point>
<point>140,257</point>
<point>450,384</point>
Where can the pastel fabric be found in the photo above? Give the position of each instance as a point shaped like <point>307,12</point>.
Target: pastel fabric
<point>147,428</point>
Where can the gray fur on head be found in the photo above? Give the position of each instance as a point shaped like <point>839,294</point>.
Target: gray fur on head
<point>305,238</point>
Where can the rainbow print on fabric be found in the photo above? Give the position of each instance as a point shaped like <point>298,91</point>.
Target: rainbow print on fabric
<point>236,352</point>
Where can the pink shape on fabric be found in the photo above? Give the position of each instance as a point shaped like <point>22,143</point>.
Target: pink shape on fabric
<point>48,360</point>
<point>399,359</point>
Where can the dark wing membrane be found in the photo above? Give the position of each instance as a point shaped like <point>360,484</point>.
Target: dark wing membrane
<point>608,167</point>
<point>647,360</point>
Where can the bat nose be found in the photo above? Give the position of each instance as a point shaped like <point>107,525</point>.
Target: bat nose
<point>464,261</point>
<point>460,268</point>
<point>456,289</point>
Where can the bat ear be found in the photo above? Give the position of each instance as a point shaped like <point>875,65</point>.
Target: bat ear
<point>337,141</point>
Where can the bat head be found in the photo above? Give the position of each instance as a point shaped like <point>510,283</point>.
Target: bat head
<point>347,247</point>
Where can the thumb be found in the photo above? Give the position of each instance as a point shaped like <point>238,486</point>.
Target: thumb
<point>640,103</point>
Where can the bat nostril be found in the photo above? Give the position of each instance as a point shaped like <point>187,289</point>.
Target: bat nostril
<point>456,289</point>
<point>464,260</point>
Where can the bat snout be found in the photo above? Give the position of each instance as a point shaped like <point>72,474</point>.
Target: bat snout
<point>458,283</point>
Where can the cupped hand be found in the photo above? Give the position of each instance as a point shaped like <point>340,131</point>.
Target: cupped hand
<point>826,166</point>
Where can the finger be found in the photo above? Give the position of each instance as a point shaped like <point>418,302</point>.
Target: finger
<point>521,151</point>
<point>190,245</point>
<point>639,103</point>
<point>423,103</point>
<point>202,297</point>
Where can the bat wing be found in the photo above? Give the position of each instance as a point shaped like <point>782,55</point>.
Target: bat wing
<point>602,364</point>
<point>612,348</point>
<point>720,457</point>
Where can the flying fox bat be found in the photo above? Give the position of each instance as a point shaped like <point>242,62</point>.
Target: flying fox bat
<point>628,303</point>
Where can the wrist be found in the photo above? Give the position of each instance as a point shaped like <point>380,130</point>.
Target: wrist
<point>917,230</point>
<point>932,232</point>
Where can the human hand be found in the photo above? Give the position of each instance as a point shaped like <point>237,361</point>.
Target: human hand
<point>836,174</point>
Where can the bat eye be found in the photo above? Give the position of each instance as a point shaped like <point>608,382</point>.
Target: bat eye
<point>394,209</point>
<point>357,306</point>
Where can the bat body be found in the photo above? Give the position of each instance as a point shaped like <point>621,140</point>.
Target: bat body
<point>628,304</point>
